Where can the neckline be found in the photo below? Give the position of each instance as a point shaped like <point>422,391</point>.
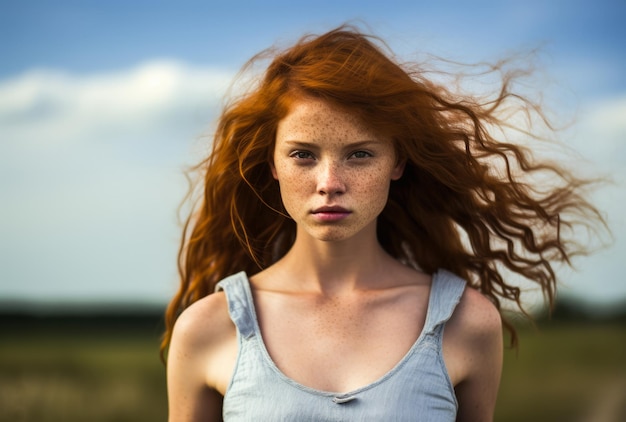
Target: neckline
<point>426,329</point>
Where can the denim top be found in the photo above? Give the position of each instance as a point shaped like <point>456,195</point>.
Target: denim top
<point>418,388</point>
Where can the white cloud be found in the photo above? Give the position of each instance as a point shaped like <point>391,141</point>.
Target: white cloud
<point>91,177</point>
<point>46,107</point>
<point>600,138</point>
<point>602,133</point>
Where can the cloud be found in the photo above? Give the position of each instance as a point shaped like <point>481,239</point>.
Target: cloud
<point>45,108</point>
<point>600,139</point>
<point>91,176</point>
<point>603,131</point>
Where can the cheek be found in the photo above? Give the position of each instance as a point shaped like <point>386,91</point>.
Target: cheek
<point>376,179</point>
<point>283,173</point>
<point>373,188</point>
<point>290,181</point>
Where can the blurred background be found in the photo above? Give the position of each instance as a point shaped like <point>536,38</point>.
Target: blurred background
<point>104,105</point>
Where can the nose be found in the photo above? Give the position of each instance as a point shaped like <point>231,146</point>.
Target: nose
<point>330,180</point>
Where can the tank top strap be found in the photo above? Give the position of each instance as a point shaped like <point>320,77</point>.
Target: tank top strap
<point>240,304</point>
<point>446,291</point>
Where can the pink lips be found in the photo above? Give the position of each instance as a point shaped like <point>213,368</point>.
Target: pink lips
<point>329,214</point>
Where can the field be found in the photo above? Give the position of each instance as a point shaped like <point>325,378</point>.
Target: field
<point>572,372</point>
<point>98,369</point>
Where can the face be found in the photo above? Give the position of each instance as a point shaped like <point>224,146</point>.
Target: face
<point>334,172</point>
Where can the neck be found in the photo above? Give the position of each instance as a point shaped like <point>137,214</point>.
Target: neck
<point>335,267</point>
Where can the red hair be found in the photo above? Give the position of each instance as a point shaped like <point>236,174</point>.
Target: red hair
<point>465,202</point>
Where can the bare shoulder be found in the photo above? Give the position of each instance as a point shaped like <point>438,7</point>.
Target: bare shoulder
<point>476,316</point>
<point>204,337</point>
<point>204,322</point>
<point>473,336</point>
<point>472,348</point>
<point>200,359</point>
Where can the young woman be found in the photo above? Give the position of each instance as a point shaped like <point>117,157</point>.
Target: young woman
<point>347,259</point>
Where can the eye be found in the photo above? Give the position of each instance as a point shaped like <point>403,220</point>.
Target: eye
<point>361,154</point>
<point>302,155</point>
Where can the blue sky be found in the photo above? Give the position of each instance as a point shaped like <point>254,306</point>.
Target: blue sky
<point>103,104</point>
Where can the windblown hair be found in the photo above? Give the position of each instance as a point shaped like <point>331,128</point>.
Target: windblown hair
<point>466,201</point>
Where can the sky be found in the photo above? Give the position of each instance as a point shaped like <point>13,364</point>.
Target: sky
<point>104,104</point>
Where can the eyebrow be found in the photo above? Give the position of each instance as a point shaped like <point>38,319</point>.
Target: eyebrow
<point>352,145</point>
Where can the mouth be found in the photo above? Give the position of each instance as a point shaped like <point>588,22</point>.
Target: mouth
<point>333,209</point>
<point>330,213</point>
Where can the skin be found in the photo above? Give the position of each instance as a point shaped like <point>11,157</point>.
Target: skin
<point>337,312</point>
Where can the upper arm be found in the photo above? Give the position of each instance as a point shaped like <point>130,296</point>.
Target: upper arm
<point>473,348</point>
<point>200,343</point>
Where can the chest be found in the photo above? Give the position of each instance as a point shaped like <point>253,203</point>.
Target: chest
<point>340,344</point>
<point>415,390</point>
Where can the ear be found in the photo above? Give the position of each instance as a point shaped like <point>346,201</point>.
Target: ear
<point>273,168</point>
<point>398,170</point>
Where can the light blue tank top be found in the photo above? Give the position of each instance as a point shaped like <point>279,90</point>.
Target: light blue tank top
<point>418,388</point>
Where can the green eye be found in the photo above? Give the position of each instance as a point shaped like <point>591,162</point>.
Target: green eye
<point>302,155</point>
<point>361,154</point>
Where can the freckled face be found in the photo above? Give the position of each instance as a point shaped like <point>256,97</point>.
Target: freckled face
<point>334,172</point>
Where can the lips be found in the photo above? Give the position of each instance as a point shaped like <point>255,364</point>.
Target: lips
<point>330,213</point>
<point>333,209</point>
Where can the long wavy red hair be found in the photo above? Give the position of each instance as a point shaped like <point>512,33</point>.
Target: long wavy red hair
<point>466,201</point>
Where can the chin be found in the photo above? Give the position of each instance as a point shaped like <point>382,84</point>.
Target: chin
<point>332,234</point>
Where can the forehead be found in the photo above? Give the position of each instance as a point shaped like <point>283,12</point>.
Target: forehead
<point>316,119</point>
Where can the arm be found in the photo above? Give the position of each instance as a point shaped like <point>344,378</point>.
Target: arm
<point>473,354</point>
<point>198,360</point>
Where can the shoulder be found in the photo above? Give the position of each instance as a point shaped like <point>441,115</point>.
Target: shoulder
<point>201,354</point>
<point>476,315</point>
<point>473,335</point>
<point>203,320</point>
<point>473,348</point>
<point>201,335</point>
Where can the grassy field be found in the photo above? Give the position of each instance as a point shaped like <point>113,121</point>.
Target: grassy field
<point>89,370</point>
<point>95,370</point>
<point>573,372</point>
